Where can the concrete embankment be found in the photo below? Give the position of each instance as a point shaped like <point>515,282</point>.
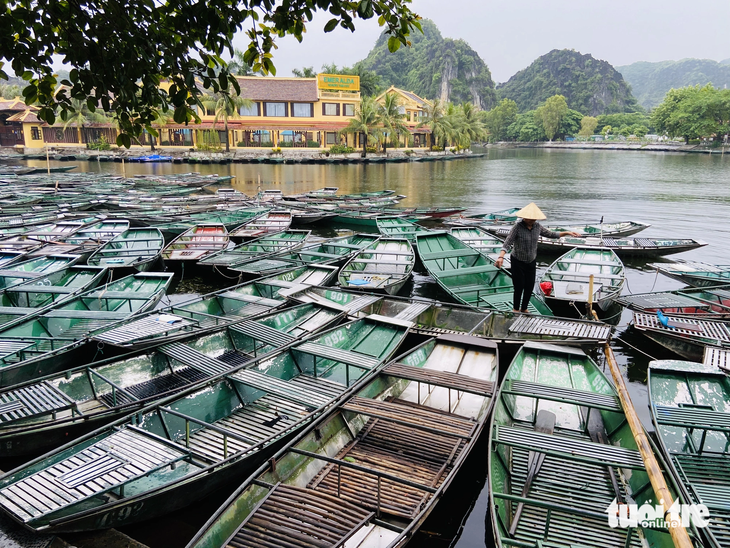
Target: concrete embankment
<point>621,145</point>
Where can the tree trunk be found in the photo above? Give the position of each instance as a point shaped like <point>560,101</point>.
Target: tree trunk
<point>365,145</point>
<point>228,138</point>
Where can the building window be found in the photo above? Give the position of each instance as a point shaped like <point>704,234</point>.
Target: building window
<point>302,110</point>
<point>209,111</point>
<point>275,109</point>
<point>35,133</point>
<point>348,109</point>
<point>253,110</point>
<point>331,138</point>
<point>331,109</point>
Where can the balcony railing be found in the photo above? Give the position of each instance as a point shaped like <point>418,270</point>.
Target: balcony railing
<point>345,95</point>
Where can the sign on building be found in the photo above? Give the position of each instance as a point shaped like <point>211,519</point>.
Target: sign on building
<point>338,82</point>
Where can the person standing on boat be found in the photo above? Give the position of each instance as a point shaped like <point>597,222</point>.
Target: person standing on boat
<point>522,241</point>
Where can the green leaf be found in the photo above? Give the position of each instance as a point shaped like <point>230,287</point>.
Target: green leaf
<point>393,44</point>
<point>331,24</point>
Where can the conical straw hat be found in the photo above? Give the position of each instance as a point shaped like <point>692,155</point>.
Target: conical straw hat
<point>531,211</point>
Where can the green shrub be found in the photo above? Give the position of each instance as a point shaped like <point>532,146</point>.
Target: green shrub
<point>312,144</point>
<point>372,149</point>
<point>408,152</point>
<point>240,144</point>
<point>266,144</point>
<point>100,144</point>
<point>341,149</point>
<point>286,144</point>
<point>209,141</point>
<point>437,148</point>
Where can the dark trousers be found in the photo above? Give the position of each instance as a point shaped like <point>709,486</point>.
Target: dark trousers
<point>523,277</point>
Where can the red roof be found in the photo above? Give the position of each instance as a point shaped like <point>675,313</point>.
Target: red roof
<point>297,90</point>
<point>27,116</point>
<point>14,104</point>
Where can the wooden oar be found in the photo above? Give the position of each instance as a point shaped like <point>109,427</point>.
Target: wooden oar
<point>545,424</point>
<point>597,432</point>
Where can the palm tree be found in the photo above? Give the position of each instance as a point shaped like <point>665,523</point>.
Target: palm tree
<point>163,118</point>
<point>470,125</point>
<point>81,115</point>
<point>238,64</point>
<point>227,107</point>
<point>366,121</point>
<point>392,118</point>
<point>434,119</point>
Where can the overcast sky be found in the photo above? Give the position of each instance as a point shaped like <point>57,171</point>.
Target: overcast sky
<point>509,35</point>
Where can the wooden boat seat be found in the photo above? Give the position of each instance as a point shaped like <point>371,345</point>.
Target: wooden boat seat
<point>308,396</point>
<point>263,333</point>
<point>245,297</point>
<point>449,254</point>
<point>349,357</point>
<point>11,348</point>
<point>565,447</point>
<point>581,398</point>
<point>562,328</point>
<point>20,274</point>
<point>192,358</point>
<point>421,417</point>
<point>413,311</point>
<point>113,461</point>
<point>583,275</point>
<point>384,262</point>
<point>644,242</point>
<point>86,314</point>
<point>468,271</point>
<point>320,254</point>
<point>33,400</point>
<point>455,381</point>
<point>17,310</point>
<point>483,287</point>
<point>141,328</point>
<point>295,517</point>
<point>590,262</point>
<point>43,289</point>
<point>121,295</point>
<point>693,417</point>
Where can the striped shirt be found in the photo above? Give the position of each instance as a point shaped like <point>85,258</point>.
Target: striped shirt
<point>524,241</point>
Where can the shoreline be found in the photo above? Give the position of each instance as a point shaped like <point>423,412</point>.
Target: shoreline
<point>623,146</point>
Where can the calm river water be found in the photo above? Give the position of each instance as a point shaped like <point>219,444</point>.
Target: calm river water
<point>680,195</point>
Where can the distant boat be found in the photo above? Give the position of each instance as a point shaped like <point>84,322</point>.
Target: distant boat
<point>275,220</point>
<point>623,247</point>
<point>699,301</point>
<point>605,230</point>
<point>695,273</point>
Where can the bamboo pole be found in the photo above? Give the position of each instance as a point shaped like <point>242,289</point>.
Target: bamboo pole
<point>679,534</point>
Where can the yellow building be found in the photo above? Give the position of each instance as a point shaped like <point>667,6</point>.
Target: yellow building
<point>285,112</point>
<point>414,108</point>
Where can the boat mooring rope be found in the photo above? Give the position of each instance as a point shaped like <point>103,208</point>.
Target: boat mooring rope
<point>635,348</point>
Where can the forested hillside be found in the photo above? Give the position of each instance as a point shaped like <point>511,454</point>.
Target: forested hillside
<point>589,85</point>
<point>434,67</point>
<point>650,82</point>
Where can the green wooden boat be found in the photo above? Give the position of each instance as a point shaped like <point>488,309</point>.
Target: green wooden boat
<point>176,452</point>
<point>209,312</point>
<point>610,230</point>
<point>42,414</point>
<point>565,285</point>
<point>334,251</point>
<point>690,403</point>
<point>361,218</point>
<point>98,233</point>
<point>230,218</point>
<point>275,220</point>
<point>502,217</point>
<point>695,273</point>
<point>369,472</point>
<point>138,248</point>
<point>468,276</point>
<point>385,265</point>
<point>712,301</point>
<point>266,246</point>
<point>19,272</point>
<point>33,295</point>
<point>197,243</point>
<point>432,318</point>
<point>561,454</point>
<point>481,240</point>
<point>56,232</point>
<point>50,341</point>
<point>399,227</point>
<point>623,247</point>
<point>685,336</point>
